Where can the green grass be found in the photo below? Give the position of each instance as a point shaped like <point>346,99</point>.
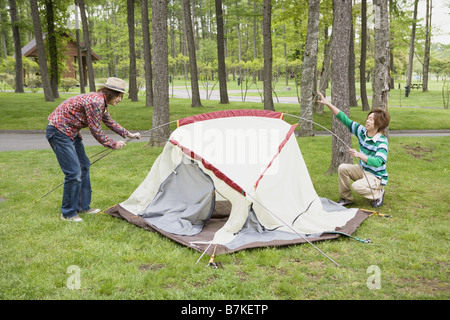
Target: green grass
<point>118,260</point>
<point>29,111</point>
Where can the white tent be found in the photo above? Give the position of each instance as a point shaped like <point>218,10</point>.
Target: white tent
<point>235,179</point>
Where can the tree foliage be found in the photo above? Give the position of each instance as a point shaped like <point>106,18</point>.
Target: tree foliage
<point>108,30</point>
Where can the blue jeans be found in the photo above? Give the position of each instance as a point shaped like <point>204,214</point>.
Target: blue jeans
<point>75,165</point>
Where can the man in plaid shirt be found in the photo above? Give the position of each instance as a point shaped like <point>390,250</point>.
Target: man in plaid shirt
<point>63,133</point>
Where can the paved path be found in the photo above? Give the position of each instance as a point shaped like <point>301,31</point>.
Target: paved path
<point>11,140</point>
<point>16,140</point>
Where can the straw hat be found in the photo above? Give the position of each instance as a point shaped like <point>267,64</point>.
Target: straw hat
<point>115,84</point>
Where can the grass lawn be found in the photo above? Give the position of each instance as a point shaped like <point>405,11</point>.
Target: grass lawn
<point>116,260</point>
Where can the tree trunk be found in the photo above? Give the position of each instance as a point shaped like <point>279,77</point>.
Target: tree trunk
<point>87,47</point>
<point>309,67</point>
<point>48,94</point>
<point>147,55</point>
<point>426,58</point>
<point>380,78</point>
<point>411,48</point>
<point>160,73</point>
<point>325,72</point>
<point>221,54</point>
<point>342,21</point>
<point>362,62</point>
<point>3,41</point>
<point>267,50</point>
<point>132,85</point>
<point>255,37</point>
<point>196,102</point>
<point>351,71</point>
<point>52,48</point>
<point>17,46</point>
<point>79,50</point>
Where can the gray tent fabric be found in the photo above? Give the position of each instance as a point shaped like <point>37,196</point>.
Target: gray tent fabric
<point>253,231</point>
<point>185,200</point>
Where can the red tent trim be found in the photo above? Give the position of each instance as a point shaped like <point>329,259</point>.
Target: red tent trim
<point>219,174</point>
<point>230,113</point>
<point>280,147</point>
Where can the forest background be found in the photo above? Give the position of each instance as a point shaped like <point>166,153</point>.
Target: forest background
<point>153,43</point>
<point>111,25</point>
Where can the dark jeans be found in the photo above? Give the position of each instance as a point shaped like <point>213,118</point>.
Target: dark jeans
<point>75,165</point>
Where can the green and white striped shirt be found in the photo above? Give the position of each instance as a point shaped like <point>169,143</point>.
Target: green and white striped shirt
<point>375,148</point>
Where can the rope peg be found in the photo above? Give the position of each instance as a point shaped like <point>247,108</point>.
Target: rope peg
<point>211,262</point>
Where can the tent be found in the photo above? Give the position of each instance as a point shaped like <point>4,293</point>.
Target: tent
<point>233,180</point>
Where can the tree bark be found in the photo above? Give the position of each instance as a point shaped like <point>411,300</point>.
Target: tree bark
<point>132,86</point>
<point>426,58</point>
<point>268,59</point>
<point>325,72</point>
<point>147,55</point>
<point>342,20</point>
<point>17,46</point>
<point>221,54</point>
<point>411,47</point>
<point>362,62</point>
<point>160,73</point>
<point>87,47</point>
<point>79,50</point>
<point>52,48</point>
<point>196,102</point>
<point>351,71</point>
<point>380,78</point>
<point>42,59</point>
<point>309,67</point>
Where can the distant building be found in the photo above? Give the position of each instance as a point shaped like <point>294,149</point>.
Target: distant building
<point>70,51</point>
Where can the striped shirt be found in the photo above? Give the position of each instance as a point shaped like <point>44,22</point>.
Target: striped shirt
<point>375,148</point>
<point>86,110</point>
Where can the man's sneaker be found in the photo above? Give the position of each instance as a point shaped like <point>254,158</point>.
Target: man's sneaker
<point>74,218</point>
<point>344,202</point>
<point>90,211</point>
<point>378,202</point>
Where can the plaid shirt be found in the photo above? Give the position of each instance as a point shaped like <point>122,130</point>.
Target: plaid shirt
<point>86,110</point>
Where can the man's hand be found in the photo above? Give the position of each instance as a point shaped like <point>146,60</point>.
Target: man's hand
<point>136,135</point>
<point>120,144</point>
<point>358,155</point>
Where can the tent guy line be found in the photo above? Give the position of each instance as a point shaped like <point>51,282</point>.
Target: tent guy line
<point>345,144</point>
<point>109,152</point>
<point>293,230</point>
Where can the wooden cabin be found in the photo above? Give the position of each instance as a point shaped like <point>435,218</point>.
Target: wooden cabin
<point>70,51</point>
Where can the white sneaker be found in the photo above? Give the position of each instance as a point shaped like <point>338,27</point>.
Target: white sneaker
<point>74,218</point>
<point>91,211</point>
